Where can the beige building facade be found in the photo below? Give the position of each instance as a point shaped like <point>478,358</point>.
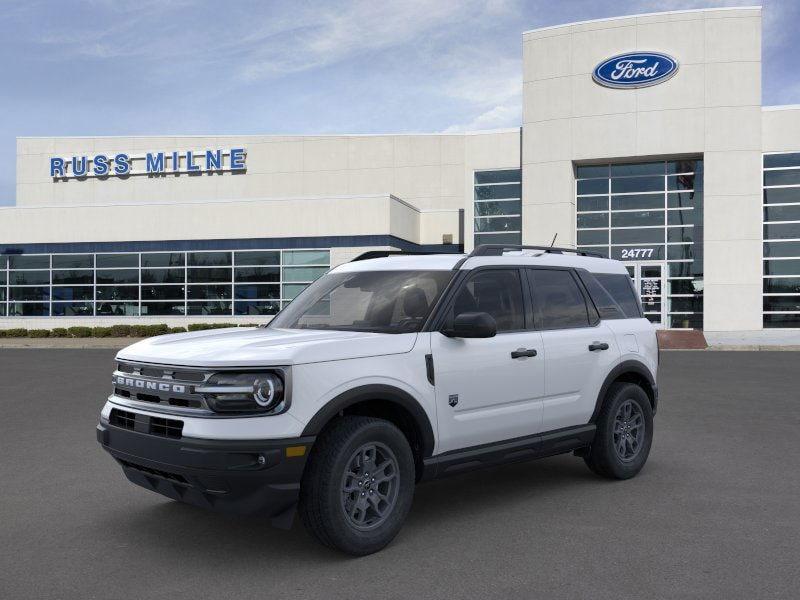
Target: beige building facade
<point>685,176</point>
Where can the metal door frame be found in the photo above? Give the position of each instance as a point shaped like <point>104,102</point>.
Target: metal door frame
<point>637,279</point>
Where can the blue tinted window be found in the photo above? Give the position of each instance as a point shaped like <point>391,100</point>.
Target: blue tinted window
<point>208,309</point>
<point>593,237</point>
<point>637,219</point>
<point>494,192</point>
<point>637,184</point>
<point>651,168</point>
<point>592,203</point>
<point>590,171</point>
<point>504,207</point>
<point>592,186</point>
<point>788,177</point>
<point>113,261</point>
<point>492,225</point>
<point>73,261</point>
<point>782,267</point>
<point>164,259</point>
<point>592,220</point>
<point>24,261</point>
<point>782,160</point>
<point>502,176</point>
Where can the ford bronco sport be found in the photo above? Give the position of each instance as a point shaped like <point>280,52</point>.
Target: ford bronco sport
<point>390,370</point>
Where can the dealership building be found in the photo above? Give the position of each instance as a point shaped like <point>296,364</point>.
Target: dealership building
<point>642,138</point>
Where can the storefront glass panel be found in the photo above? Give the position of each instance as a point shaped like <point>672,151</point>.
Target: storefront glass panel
<point>649,214</point>
<point>781,300</point>
<point>131,284</point>
<point>498,207</point>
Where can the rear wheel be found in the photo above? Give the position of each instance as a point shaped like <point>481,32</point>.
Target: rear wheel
<point>358,486</point>
<point>624,433</point>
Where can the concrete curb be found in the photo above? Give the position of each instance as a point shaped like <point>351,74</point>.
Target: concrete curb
<point>755,347</point>
<point>737,348</point>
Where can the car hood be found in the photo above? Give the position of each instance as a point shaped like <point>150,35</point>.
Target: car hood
<point>258,346</point>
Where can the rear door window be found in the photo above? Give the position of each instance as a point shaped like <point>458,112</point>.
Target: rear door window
<point>558,301</point>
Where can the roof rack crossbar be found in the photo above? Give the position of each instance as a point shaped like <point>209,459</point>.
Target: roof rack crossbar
<point>499,249</point>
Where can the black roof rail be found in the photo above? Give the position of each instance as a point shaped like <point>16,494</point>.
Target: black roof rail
<point>384,253</point>
<point>499,249</point>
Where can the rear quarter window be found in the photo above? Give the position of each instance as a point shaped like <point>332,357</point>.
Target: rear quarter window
<point>613,295</point>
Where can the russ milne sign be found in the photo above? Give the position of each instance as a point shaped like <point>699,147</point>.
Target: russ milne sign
<point>151,163</point>
<point>635,70</point>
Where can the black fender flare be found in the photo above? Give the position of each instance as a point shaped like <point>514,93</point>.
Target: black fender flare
<point>623,368</point>
<point>375,392</point>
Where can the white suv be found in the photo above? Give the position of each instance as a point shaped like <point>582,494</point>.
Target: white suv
<point>387,371</point>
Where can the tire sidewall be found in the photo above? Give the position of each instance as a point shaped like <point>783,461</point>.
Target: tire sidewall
<point>618,468</point>
<point>349,538</point>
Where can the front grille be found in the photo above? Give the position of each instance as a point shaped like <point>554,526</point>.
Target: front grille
<point>169,428</point>
<point>157,472</point>
<point>122,418</point>
<point>162,372</point>
<point>165,386</point>
<point>182,402</point>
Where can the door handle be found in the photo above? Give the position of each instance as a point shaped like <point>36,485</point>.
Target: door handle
<point>522,352</point>
<point>598,346</point>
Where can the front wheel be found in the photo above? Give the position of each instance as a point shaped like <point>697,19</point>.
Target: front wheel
<point>358,486</point>
<point>624,433</point>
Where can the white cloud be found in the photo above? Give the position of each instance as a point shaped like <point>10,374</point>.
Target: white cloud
<point>497,117</point>
<point>329,35</point>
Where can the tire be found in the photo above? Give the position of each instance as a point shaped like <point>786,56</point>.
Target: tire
<point>342,507</point>
<point>623,456</point>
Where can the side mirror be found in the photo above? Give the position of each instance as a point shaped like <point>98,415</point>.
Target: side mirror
<point>472,325</point>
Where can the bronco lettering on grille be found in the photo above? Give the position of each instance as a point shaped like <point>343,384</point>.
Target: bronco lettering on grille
<point>144,384</point>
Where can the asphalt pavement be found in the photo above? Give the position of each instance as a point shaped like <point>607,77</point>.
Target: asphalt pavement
<point>714,514</point>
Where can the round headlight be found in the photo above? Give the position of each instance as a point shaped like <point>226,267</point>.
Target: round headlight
<point>268,391</point>
<point>243,392</point>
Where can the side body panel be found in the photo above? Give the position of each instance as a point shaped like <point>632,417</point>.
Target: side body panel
<point>318,384</point>
<point>575,374</point>
<point>482,394</point>
<point>637,341</point>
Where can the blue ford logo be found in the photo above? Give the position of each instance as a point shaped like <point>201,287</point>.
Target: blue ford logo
<point>635,70</point>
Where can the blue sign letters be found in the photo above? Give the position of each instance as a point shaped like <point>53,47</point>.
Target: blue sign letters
<point>150,163</point>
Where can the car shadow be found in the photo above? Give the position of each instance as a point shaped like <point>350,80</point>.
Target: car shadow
<point>486,493</point>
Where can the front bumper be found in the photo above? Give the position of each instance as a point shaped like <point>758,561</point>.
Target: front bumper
<point>235,476</point>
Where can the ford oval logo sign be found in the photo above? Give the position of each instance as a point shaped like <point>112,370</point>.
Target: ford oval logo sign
<point>635,70</point>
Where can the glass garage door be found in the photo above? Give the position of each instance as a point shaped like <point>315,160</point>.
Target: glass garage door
<point>498,207</point>
<point>649,212</point>
<point>781,301</point>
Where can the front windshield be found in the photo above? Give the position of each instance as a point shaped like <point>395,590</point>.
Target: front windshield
<point>376,301</point>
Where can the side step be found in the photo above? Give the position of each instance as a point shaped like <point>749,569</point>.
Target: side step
<point>526,448</point>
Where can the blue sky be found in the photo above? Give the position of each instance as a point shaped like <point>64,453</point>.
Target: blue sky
<point>152,67</point>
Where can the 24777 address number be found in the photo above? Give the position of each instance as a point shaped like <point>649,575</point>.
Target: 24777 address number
<point>637,253</point>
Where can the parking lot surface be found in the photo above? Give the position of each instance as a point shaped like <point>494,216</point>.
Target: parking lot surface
<point>714,514</point>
